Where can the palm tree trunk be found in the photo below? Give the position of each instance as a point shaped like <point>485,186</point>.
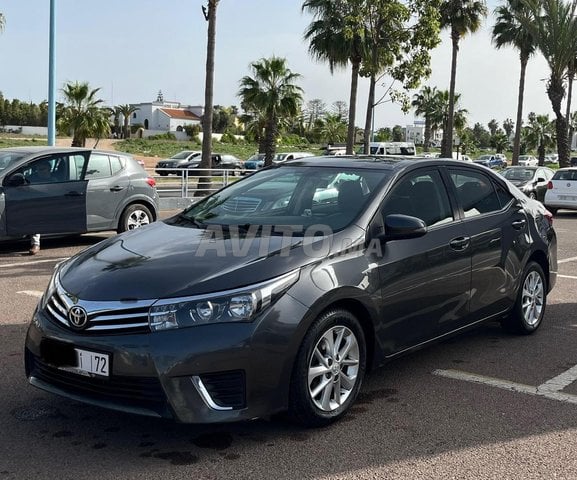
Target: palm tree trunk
<point>204,182</point>
<point>270,140</point>
<point>352,106</point>
<point>448,144</point>
<point>556,92</point>
<point>369,116</point>
<point>570,79</point>
<point>519,124</point>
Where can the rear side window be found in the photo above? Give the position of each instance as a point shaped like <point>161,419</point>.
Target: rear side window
<point>98,167</point>
<point>475,192</point>
<point>116,163</point>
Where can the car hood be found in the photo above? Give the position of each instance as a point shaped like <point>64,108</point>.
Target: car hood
<point>164,261</point>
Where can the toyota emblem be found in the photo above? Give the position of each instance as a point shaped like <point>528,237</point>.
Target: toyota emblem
<point>78,317</point>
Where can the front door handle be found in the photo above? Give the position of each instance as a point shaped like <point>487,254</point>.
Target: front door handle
<point>460,243</point>
<point>116,188</point>
<point>519,224</point>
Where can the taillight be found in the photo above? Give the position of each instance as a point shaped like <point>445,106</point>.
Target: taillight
<point>550,185</point>
<point>549,217</point>
<point>151,181</point>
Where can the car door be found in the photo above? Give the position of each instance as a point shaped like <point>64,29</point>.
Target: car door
<point>542,177</point>
<point>108,186</point>
<point>50,206</point>
<point>496,224</point>
<point>435,268</point>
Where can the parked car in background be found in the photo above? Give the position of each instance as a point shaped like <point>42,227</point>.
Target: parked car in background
<point>216,315</point>
<point>562,190</point>
<point>491,161</point>
<point>528,161</point>
<point>255,163</point>
<point>573,161</point>
<point>170,165</point>
<point>532,181</point>
<point>552,158</point>
<point>86,191</point>
<point>218,160</point>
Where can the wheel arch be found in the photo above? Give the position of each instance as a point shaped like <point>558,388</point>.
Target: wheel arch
<point>540,257</point>
<point>138,201</point>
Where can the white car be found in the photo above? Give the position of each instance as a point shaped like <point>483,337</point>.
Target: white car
<point>562,190</point>
<point>528,161</point>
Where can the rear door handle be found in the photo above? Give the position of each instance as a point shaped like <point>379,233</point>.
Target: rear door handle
<point>116,188</point>
<point>519,224</point>
<point>460,243</point>
<point>74,194</point>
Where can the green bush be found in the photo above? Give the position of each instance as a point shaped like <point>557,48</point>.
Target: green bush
<point>228,138</point>
<point>163,136</point>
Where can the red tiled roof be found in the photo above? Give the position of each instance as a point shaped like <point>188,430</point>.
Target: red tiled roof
<point>177,113</point>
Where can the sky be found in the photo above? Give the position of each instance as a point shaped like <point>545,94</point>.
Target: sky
<point>131,49</point>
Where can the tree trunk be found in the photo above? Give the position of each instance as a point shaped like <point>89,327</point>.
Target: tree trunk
<point>352,106</point>
<point>570,79</point>
<point>369,117</point>
<point>206,161</point>
<point>519,124</point>
<point>556,92</point>
<point>270,140</point>
<point>448,144</point>
<point>541,151</point>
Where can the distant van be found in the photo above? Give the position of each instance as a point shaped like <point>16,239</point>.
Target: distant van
<point>393,148</point>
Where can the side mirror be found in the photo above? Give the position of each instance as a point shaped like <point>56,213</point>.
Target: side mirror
<point>402,227</point>
<point>16,180</point>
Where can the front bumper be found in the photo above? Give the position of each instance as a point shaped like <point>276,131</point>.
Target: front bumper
<point>244,369</point>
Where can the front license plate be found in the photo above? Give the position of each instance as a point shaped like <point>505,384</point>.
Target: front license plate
<point>92,362</point>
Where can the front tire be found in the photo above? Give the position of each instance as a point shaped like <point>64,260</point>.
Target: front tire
<point>134,216</point>
<point>329,369</point>
<point>527,314</point>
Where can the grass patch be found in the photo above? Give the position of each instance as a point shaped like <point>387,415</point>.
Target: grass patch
<point>12,142</point>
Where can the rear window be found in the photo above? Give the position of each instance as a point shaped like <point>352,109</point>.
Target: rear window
<point>565,175</point>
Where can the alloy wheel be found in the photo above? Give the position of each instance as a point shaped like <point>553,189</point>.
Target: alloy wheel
<point>137,218</point>
<point>533,298</point>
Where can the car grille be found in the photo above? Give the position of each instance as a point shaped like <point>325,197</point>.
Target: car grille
<point>103,317</point>
<point>143,392</point>
<point>227,389</point>
<point>242,204</point>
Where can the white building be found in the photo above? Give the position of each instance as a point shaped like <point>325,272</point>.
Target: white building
<point>165,116</point>
<point>416,133</point>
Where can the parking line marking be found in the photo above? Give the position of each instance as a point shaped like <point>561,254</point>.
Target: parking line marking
<point>512,386</point>
<point>32,293</point>
<point>568,276</point>
<point>560,381</point>
<point>12,265</point>
<point>567,260</point>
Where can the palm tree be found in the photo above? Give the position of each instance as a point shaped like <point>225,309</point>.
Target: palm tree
<point>426,103</point>
<point>334,39</point>
<point>80,114</point>
<point>510,31</point>
<point>461,17</point>
<point>333,129</point>
<point>554,27</point>
<point>440,117</point>
<point>126,111</point>
<point>272,91</point>
<point>2,21</point>
<point>540,134</point>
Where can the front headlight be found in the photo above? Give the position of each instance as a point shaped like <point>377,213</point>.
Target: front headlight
<point>239,305</point>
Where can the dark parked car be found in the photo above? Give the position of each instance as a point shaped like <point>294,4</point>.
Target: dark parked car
<point>85,191</point>
<point>532,181</point>
<point>219,161</point>
<point>169,165</point>
<point>281,290</point>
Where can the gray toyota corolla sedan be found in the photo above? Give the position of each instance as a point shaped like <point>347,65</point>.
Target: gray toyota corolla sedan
<point>81,191</point>
<point>280,291</point>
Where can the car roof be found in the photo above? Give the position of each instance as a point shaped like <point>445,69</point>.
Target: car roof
<point>49,150</point>
<point>390,162</point>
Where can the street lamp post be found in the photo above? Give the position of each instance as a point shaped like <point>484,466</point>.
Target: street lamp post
<point>51,86</point>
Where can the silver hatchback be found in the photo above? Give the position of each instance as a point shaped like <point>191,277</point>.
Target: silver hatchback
<point>51,190</point>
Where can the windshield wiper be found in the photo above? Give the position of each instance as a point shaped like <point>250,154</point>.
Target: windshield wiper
<point>182,219</point>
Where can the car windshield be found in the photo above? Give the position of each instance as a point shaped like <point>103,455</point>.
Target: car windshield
<point>484,157</point>
<point>298,197</point>
<point>9,158</point>
<point>185,154</point>
<point>279,157</point>
<point>254,158</point>
<point>518,173</point>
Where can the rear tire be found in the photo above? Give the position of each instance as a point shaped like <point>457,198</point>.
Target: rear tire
<point>329,369</point>
<point>134,216</point>
<point>527,314</point>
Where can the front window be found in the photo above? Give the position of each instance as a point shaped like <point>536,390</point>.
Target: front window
<point>182,155</point>
<point>9,158</point>
<point>299,197</point>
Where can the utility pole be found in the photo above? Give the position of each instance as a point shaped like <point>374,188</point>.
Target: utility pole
<point>51,86</point>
